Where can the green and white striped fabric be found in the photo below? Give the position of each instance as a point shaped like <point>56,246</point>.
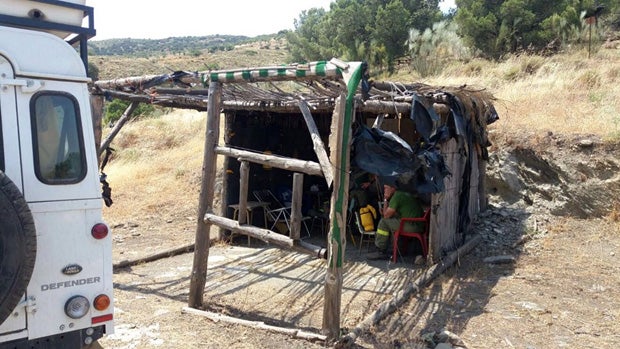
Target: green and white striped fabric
<point>319,69</point>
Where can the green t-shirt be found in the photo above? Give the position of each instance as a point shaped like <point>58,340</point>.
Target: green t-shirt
<point>406,205</point>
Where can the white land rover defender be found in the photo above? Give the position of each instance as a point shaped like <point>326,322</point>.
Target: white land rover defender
<point>55,251</point>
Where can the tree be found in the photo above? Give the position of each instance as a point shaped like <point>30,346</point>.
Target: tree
<point>375,31</point>
<point>392,31</point>
<point>496,27</point>
<point>423,14</point>
<point>351,24</point>
<point>309,41</point>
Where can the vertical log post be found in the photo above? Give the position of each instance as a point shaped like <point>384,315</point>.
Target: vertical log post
<point>224,200</point>
<point>298,185</point>
<point>96,109</point>
<point>244,175</point>
<point>339,145</point>
<point>340,149</point>
<point>201,253</point>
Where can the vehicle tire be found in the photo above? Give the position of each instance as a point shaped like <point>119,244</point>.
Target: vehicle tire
<point>18,246</point>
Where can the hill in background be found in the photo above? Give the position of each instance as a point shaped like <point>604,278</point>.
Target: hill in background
<point>118,58</point>
<point>193,45</point>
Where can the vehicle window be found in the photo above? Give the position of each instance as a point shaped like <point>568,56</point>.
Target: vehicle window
<point>57,135</point>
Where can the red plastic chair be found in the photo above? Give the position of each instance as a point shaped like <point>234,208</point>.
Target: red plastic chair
<point>422,236</point>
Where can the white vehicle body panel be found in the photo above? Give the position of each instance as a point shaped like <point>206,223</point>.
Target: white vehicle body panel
<point>67,240</point>
<point>63,213</point>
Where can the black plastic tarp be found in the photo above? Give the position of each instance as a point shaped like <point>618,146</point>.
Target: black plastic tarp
<point>383,153</point>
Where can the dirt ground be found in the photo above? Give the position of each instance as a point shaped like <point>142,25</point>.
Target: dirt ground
<point>553,218</point>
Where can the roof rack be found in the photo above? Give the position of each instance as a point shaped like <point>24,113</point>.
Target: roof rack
<point>61,18</point>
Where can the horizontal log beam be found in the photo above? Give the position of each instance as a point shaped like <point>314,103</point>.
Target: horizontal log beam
<point>189,101</point>
<point>295,165</point>
<point>160,255</point>
<point>374,106</point>
<point>161,100</point>
<point>266,235</point>
<point>249,230</point>
<point>293,332</point>
<point>194,101</point>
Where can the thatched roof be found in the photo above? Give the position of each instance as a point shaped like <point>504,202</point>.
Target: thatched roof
<point>279,89</point>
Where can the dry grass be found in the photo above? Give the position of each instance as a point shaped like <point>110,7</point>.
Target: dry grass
<point>156,167</point>
<point>568,93</point>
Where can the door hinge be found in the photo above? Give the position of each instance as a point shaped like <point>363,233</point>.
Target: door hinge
<point>30,304</point>
<point>27,85</point>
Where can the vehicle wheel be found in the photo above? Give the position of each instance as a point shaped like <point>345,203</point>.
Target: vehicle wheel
<point>18,246</point>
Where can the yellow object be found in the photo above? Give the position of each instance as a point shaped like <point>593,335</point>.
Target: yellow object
<point>368,215</point>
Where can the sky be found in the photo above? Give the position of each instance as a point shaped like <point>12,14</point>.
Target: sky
<point>142,19</point>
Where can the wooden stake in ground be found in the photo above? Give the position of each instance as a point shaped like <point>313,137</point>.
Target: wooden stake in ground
<point>337,231</point>
<point>209,166</point>
<point>340,148</point>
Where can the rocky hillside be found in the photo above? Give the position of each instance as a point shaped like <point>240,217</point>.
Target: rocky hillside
<point>576,176</point>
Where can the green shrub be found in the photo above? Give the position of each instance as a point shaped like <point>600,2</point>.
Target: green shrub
<point>115,109</point>
<point>432,49</point>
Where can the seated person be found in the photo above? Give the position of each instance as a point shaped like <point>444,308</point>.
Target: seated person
<point>362,190</point>
<point>397,204</point>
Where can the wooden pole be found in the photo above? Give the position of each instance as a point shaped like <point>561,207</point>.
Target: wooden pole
<point>176,101</point>
<point>266,235</point>
<point>119,124</point>
<point>307,167</point>
<point>197,102</point>
<point>205,204</point>
<point>244,175</point>
<point>250,230</point>
<point>319,147</point>
<point>293,332</point>
<point>405,294</point>
<point>225,199</point>
<point>339,147</point>
<point>154,257</point>
<point>298,186</point>
<point>96,109</point>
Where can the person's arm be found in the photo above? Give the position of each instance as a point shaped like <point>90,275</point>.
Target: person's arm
<point>388,211</point>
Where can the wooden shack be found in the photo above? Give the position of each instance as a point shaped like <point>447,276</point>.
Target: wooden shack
<point>293,126</point>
